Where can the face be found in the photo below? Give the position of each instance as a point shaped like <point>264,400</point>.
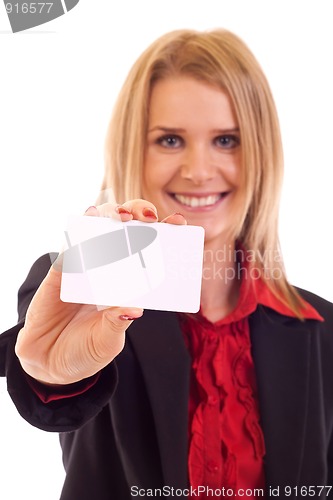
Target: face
<point>192,162</point>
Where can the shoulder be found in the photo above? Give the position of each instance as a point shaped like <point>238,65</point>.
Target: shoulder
<point>34,278</point>
<point>323,307</point>
<point>266,316</point>
<point>40,267</point>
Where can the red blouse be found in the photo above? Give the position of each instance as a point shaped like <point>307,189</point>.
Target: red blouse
<point>226,443</point>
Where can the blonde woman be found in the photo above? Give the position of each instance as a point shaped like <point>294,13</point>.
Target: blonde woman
<point>235,400</point>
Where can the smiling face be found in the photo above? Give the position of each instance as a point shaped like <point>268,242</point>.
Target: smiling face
<point>192,162</point>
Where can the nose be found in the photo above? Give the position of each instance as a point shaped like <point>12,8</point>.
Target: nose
<point>197,165</point>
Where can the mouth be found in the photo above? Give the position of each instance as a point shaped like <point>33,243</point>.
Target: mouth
<point>199,201</point>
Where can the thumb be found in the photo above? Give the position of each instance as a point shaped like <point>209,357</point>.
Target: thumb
<point>121,318</point>
<point>107,337</point>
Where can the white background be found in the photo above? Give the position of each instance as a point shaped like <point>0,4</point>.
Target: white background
<point>57,87</point>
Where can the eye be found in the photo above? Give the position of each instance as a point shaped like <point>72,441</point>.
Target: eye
<point>170,141</point>
<point>228,141</point>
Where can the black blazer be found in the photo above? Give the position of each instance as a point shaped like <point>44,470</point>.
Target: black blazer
<point>130,429</point>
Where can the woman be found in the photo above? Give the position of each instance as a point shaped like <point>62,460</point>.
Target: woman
<point>235,400</point>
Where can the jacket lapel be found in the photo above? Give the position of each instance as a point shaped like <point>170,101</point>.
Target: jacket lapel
<point>158,343</point>
<point>281,353</point>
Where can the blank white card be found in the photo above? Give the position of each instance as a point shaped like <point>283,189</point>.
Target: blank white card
<point>137,264</point>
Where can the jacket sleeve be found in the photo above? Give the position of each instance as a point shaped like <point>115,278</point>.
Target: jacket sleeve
<point>63,414</point>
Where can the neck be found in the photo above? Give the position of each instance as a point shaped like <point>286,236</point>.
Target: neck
<point>220,283</point>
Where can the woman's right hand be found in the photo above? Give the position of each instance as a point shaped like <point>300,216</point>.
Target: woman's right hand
<point>62,343</point>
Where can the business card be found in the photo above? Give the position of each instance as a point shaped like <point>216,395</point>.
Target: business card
<point>149,265</point>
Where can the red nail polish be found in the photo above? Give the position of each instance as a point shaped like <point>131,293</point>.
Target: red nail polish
<point>122,210</point>
<point>148,212</point>
<point>128,318</point>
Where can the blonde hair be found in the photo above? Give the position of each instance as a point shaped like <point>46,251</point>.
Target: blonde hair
<point>219,58</point>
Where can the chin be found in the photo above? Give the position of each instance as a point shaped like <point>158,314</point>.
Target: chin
<point>214,235</point>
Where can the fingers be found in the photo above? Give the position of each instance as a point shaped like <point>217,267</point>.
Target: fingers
<point>134,209</point>
<point>141,210</point>
<point>137,209</point>
<point>92,211</point>
<point>64,352</point>
<point>176,218</point>
<point>109,210</point>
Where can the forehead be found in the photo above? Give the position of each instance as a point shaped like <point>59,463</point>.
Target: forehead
<point>184,100</point>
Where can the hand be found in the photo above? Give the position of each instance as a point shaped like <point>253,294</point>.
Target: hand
<point>62,343</point>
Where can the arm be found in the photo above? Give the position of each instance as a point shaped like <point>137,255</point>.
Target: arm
<point>63,345</point>
<point>64,413</point>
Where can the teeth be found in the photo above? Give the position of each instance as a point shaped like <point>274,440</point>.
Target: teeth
<point>195,201</point>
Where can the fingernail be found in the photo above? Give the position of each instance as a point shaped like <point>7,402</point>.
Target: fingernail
<point>176,213</point>
<point>149,212</point>
<point>124,317</point>
<point>121,210</point>
<point>92,206</point>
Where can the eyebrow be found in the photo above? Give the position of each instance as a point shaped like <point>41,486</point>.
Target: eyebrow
<point>175,130</point>
<point>167,129</point>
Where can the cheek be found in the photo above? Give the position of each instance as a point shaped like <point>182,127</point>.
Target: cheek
<point>233,171</point>
<point>157,172</point>
<point>150,181</point>
<point>148,173</point>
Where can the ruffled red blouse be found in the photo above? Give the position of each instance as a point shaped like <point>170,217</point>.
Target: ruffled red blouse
<point>226,443</point>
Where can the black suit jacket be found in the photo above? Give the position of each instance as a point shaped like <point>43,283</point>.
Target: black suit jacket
<point>130,429</point>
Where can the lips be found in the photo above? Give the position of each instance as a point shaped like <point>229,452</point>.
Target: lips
<point>201,200</point>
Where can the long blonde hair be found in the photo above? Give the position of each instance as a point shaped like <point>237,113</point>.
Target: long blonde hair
<point>219,58</point>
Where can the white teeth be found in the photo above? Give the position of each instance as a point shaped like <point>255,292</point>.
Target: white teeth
<point>195,201</point>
